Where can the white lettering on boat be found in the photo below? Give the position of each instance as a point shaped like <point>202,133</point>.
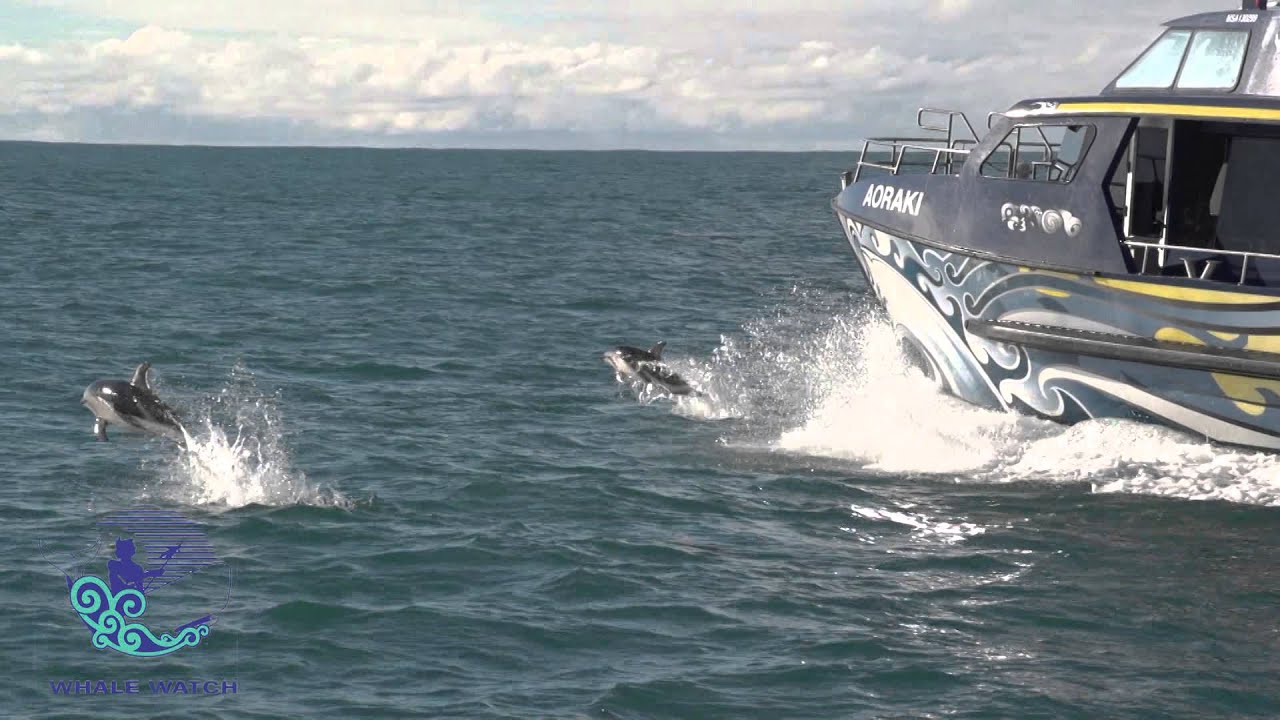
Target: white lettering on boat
<point>887,197</point>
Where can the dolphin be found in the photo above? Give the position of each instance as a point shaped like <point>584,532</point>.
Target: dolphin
<point>633,363</point>
<point>131,405</point>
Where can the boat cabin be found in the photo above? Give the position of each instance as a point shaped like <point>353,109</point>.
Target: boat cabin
<point>1172,170</point>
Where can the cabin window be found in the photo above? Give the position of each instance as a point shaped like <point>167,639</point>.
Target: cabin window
<point>1042,153</point>
<point>1214,61</point>
<point>1158,66</point>
<point>1199,60</point>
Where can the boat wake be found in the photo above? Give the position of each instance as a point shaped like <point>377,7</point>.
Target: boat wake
<point>838,386</point>
<point>248,465</point>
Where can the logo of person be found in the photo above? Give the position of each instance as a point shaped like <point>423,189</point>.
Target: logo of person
<point>152,549</point>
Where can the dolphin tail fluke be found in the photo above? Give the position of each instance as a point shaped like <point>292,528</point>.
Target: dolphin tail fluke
<point>657,349</point>
<point>140,376</point>
<point>100,429</point>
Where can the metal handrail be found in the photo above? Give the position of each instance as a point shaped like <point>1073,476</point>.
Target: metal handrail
<point>1048,146</point>
<point>938,153</point>
<point>944,149</point>
<point>906,138</point>
<point>1147,247</point>
<point>898,153</point>
<point>949,129</point>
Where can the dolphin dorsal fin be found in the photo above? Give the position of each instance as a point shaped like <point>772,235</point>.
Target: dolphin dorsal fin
<point>657,349</point>
<point>140,376</point>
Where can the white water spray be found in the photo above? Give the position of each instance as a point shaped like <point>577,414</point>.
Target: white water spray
<point>840,387</point>
<point>248,464</point>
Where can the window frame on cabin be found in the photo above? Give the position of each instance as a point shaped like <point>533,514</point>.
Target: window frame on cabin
<point>1013,167</point>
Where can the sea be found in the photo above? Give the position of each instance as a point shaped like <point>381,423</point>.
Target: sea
<point>428,496</point>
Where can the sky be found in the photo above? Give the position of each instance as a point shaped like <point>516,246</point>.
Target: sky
<point>556,74</point>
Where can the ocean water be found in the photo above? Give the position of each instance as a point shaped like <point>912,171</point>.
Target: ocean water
<point>433,499</point>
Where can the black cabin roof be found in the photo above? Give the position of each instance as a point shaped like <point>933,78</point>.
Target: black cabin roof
<point>1216,65</point>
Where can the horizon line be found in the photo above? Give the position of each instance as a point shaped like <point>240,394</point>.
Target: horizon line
<point>422,148</point>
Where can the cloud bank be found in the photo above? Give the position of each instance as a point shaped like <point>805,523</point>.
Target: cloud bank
<point>693,74</point>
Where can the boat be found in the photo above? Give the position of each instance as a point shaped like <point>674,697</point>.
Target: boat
<point>1106,256</point>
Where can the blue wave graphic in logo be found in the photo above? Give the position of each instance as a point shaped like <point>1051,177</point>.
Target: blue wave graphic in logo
<point>108,613</point>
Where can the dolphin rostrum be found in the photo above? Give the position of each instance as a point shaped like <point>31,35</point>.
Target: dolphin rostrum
<point>633,363</point>
<point>131,405</point>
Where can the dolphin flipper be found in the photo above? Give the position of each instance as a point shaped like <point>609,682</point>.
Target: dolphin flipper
<point>140,376</point>
<point>100,429</point>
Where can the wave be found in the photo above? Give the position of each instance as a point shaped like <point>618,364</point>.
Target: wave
<point>812,380</point>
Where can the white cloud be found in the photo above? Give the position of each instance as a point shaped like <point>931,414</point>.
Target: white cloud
<point>695,72</point>
<point>385,19</point>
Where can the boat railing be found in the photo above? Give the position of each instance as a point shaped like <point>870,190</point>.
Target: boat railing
<point>950,127</point>
<point>943,151</point>
<point>1204,264</point>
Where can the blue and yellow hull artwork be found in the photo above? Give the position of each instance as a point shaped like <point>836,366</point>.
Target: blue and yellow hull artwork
<point>1071,347</point>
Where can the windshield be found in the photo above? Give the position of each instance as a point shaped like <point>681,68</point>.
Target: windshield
<point>1158,66</point>
<point>1214,60</point>
<point>1195,60</point>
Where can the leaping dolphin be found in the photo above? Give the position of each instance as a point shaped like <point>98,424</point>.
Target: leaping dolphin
<point>131,405</point>
<point>633,363</point>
